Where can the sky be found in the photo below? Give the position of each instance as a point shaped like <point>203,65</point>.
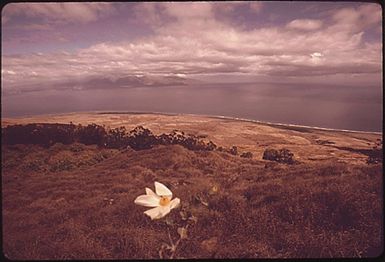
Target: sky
<point>74,43</point>
<point>110,46</point>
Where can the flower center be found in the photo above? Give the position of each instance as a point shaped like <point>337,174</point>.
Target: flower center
<point>164,201</point>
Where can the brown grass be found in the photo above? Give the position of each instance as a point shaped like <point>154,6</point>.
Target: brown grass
<point>57,205</point>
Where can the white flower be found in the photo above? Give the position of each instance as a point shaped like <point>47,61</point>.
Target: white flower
<point>161,201</point>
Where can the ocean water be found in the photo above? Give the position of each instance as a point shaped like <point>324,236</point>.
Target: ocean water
<point>350,108</point>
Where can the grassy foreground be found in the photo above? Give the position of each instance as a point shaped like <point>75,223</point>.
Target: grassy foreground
<point>77,202</point>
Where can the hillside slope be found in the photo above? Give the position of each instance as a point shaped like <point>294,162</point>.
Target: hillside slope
<point>77,202</point>
<point>307,144</point>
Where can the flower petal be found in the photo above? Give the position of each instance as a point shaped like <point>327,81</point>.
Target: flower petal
<point>162,190</point>
<point>150,192</point>
<point>147,201</point>
<point>164,210</point>
<point>174,203</point>
<point>154,213</point>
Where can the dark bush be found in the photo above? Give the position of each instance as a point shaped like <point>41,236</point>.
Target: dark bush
<point>247,155</point>
<point>188,141</point>
<point>220,149</point>
<point>233,150</point>
<point>91,134</point>
<point>375,155</point>
<point>141,138</point>
<point>116,138</point>
<point>282,156</point>
<point>38,134</point>
<point>138,139</point>
<point>211,146</point>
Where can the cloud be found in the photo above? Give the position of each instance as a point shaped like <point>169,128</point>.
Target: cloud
<point>305,24</point>
<point>189,10</point>
<point>256,7</point>
<point>354,20</point>
<point>151,14</point>
<point>231,6</point>
<point>188,40</point>
<point>299,69</point>
<point>58,12</point>
<point>8,72</point>
<point>128,81</point>
<point>226,7</point>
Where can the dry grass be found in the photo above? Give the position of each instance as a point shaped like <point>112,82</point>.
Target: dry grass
<point>57,205</point>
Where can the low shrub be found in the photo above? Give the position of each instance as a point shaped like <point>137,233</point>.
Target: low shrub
<point>375,155</point>
<point>139,138</point>
<point>247,155</point>
<point>282,156</point>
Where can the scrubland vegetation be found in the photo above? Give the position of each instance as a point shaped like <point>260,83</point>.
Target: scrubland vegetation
<point>68,193</point>
<point>138,139</point>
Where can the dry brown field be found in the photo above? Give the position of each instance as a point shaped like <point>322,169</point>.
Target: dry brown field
<point>77,201</point>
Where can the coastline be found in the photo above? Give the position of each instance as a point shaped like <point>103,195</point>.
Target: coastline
<point>274,124</point>
<point>221,117</point>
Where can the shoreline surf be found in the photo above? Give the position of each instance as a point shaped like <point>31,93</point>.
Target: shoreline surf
<point>274,124</point>
<point>237,119</point>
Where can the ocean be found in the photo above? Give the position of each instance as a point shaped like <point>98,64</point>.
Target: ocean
<point>348,108</point>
